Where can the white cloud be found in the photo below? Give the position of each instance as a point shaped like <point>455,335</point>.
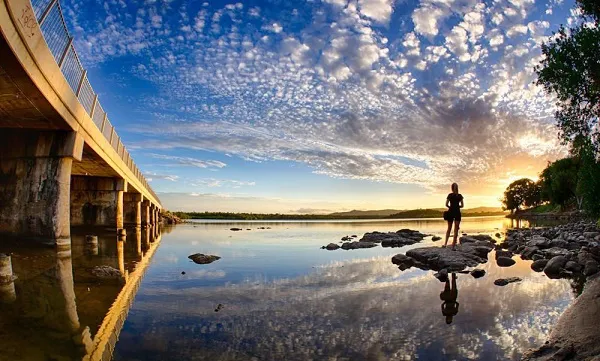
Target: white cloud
<point>378,10</point>
<point>427,18</point>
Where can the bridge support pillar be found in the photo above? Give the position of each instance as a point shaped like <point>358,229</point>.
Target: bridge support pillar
<point>132,209</point>
<point>35,178</point>
<point>97,201</point>
<point>145,213</point>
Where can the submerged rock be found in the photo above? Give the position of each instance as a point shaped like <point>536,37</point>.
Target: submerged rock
<point>235,229</point>
<point>505,281</point>
<point>200,258</point>
<point>106,272</point>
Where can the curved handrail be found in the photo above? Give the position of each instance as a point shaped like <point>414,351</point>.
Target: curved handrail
<point>50,18</point>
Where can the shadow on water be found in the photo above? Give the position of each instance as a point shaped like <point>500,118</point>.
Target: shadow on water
<point>54,306</point>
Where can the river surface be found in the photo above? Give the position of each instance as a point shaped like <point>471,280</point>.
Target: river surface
<point>274,295</point>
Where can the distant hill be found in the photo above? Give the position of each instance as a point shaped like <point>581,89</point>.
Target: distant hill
<point>413,213</point>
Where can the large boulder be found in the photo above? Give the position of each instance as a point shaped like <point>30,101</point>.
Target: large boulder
<point>591,268</point>
<point>437,258</point>
<point>554,251</point>
<point>529,251</point>
<point>201,258</point>
<point>554,268</point>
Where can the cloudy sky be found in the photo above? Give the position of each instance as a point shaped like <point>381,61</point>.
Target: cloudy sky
<point>323,105</point>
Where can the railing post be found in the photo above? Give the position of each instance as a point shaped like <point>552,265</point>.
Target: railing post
<point>103,124</point>
<point>46,12</point>
<point>112,134</point>
<point>81,83</point>
<point>94,106</point>
<point>63,57</point>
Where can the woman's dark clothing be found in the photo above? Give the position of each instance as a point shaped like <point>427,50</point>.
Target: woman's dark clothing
<point>454,210</point>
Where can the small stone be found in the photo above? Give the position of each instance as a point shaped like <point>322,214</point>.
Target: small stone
<point>331,247</point>
<point>182,272</point>
<point>505,261</point>
<point>477,273</point>
<point>235,229</point>
<point>436,238</point>
<point>505,281</point>
<point>498,235</point>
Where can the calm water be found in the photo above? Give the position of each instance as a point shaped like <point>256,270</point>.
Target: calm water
<point>281,297</point>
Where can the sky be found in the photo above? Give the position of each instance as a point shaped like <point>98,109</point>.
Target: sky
<point>319,106</point>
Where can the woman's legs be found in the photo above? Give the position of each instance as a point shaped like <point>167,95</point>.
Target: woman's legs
<point>456,228</point>
<point>448,233</point>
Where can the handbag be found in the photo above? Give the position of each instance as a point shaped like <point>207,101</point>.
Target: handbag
<point>446,215</point>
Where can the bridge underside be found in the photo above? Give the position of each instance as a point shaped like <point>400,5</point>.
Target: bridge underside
<point>50,177</point>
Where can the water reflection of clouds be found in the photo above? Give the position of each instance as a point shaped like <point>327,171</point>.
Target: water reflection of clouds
<point>358,309</point>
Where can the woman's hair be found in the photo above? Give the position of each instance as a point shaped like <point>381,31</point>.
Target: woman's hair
<point>454,188</point>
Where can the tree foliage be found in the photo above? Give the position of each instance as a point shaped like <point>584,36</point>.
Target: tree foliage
<point>559,181</point>
<point>570,69</point>
<point>522,192</point>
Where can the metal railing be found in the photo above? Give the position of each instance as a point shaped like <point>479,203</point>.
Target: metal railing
<point>52,24</point>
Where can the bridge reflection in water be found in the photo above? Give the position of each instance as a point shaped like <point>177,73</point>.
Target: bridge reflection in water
<point>53,307</point>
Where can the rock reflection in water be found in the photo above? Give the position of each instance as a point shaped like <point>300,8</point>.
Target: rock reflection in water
<point>352,310</point>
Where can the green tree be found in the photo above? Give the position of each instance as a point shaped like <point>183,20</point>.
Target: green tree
<point>559,181</point>
<point>588,185</point>
<point>522,192</point>
<point>570,69</point>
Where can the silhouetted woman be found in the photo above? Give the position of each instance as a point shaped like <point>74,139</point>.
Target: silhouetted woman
<point>449,295</point>
<point>454,202</point>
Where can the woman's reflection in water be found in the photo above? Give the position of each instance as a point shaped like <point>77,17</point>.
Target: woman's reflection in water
<point>449,296</point>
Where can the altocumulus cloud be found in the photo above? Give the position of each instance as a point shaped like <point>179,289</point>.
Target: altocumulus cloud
<point>422,92</point>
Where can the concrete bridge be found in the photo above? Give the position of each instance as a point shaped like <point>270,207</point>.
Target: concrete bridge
<point>61,161</point>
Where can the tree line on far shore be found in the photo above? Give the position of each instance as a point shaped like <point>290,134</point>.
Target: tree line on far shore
<point>570,71</point>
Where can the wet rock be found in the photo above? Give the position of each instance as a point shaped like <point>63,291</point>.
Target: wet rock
<point>539,242</point>
<point>539,265</point>
<point>505,281</point>
<point>331,247</point>
<point>106,272</point>
<point>437,258</point>
<point>467,239</point>
<point>200,258</point>
<point>554,251</point>
<point>402,261</point>
<point>477,273</point>
<point>498,235</point>
<point>358,245</point>
<point>529,251</point>
<point>484,237</point>
<point>537,257</point>
<point>436,238</point>
<point>442,275</point>
<point>555,266</point>
<point>353,236</point>
<point>505,261</point>
<point>573,267</point>
<point>235,229</point>
<point>403,237</point>
<point>346,238</point>
<point>591,268</point>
